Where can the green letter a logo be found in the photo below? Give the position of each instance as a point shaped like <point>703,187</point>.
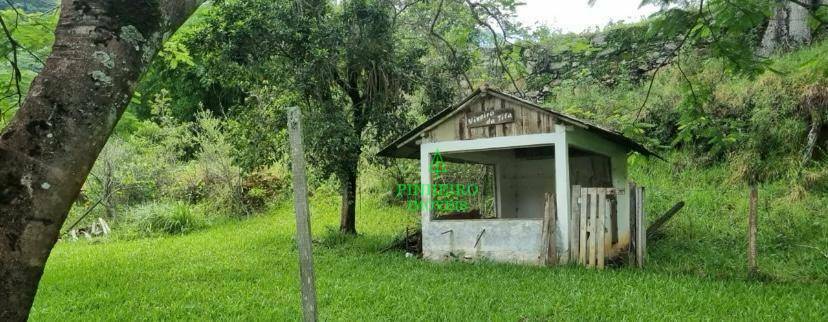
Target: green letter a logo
<point>437,164</point>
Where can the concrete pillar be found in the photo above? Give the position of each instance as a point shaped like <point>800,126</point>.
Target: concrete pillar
<point>425,181</point>
<point>562,192</point>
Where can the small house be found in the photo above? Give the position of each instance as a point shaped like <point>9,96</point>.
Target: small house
<point>557,188</point>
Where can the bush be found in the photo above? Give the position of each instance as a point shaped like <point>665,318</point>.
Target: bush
<point>221,178</point>
<point>189,162</point>
<point>382,179</point>
<point>173,218</point>
<point>266,185</point>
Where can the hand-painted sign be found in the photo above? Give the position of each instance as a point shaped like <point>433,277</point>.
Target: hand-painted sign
<point>492,117</point>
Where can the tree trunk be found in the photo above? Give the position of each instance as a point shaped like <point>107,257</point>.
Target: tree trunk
<point>751,251</point>
<point>798,29</point>
<point>101,49</point>
<point>347,216</point>
<point>787,29</point>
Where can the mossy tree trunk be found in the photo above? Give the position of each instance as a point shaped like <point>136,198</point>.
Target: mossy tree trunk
<point>46,152</point>
<point>350,165</point>
<point>347,216</point>
<point>788,27</point>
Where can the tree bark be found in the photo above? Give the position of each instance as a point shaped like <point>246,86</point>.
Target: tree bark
<point>787,29</point>
<point>752,218</point>
<point>798,29</point>
<point>46,152</point>
<point>347,216</point>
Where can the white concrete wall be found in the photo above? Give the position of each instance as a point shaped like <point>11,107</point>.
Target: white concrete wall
<point>523,186</point>
<point>507,240</point>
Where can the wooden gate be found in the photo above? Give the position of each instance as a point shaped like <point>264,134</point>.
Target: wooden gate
<point>595,234</point>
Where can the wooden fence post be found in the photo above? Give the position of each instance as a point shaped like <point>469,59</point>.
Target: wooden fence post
<point>593,227</point>
<point>574,221</point>
<point>599,227</point>
<point>300,204</point>
<point>582,247</point>
<point>640,228</point>
<point>549,252</point>
<point>751,251</point>
<point>633,228</point>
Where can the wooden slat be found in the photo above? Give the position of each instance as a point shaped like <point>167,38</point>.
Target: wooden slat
<point>484,129</point>
<point>538,122</point>
<point>530,122</point>
<point>641,250</point>
<point>519,119</point>
<point>495,104</point>
<point>506,127</point>
<point>593,212</point>
<point>461,126</point>
<point>552,256</point>
<point>599,227</point>
<point>613,215</point>
<point>467,131</point>
<point>549,254</point>
<point>582,242</point>
<point>633,226</point>
<point>639,258</point>
<point>573,223</point>
<point>475,132</point>
<point>544,244</point>
<point>594,230</point>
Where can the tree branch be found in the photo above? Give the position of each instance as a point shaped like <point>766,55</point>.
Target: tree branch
<point>665,62</point>
<point>16,75</point>
<point>498,51</point>
<point>454,58</point>
<point>404,7</point>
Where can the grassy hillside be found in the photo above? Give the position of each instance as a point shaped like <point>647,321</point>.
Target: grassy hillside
<point>708,237</point>
<point>247,269</point>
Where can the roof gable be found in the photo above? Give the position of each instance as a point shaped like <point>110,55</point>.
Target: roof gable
<point>490,113</point>
<point>488,116</point>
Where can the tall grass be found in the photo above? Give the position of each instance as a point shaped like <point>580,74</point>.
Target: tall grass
<point>708,237</point>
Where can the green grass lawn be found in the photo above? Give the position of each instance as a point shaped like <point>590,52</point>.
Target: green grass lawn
<point>247,270</point>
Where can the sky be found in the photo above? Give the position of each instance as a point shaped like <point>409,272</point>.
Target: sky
<point>577,15</point>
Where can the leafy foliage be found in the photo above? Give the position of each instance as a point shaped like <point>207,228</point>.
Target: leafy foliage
<point>33,34</point>
<point>30,5</point>
<point>208,123</point>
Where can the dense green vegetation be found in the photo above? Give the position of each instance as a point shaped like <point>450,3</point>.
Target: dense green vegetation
<point>708,238</point>
<point>195,179</point>
<point>35,34</point>
<point>208,117</point>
